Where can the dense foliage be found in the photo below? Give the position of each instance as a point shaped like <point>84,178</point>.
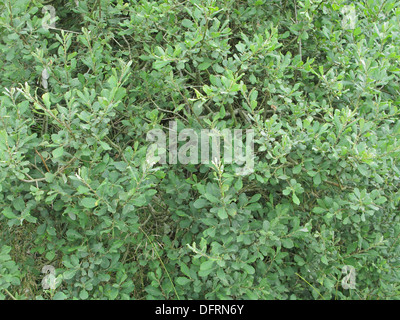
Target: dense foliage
<point>319,87</point>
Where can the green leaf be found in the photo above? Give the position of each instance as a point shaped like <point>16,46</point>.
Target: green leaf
<point>183,281</point>
<point>59,296</point>
<point>160,64</point>
<point>46,100</point>
<point>200,203</point>
<point>69,274</point>
<point>317,179</point>
<point>83,294</point>
<point>89,203</point>
<point>287,243</point>
<point>57,153</point>
<point>249,269</point>
<point>206,265</point>
<point>120,165</point>
<point>363,169</point>
<point>50,255</point>
<point>152,291</point>
<point>328,283</point>
<point>19,204</point>
<point>82,189</point>
<point>297,169</point>
<point>300,261</point>
<point>295,199</point>
<point>318,210</point>
<point>204,65</point>
<point>222,213</point>
<point>139,201</point>
<point>8,213</point>
<point>105,146</point>
<point>113,293</point>
<point>187,23</point>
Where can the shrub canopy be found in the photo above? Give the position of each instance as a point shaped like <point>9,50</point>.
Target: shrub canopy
<point>317,81</point>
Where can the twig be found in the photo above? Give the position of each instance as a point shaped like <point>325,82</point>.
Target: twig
<point>162,263</point>
<point>44,161</point>
<point>9,293</point>
<point>295,10</point>
<point>310,285</point>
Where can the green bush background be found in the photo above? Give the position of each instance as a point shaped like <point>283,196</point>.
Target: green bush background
<point>76,190</point>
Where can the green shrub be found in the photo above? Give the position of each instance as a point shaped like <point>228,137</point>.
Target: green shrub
<point>319,88</point>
